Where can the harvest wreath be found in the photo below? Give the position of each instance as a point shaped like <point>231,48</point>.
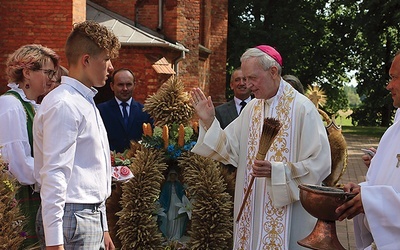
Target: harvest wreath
<point>133,209</point>
<point>12,221</point>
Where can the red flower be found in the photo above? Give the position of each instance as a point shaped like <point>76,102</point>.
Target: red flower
<point>125,171</point>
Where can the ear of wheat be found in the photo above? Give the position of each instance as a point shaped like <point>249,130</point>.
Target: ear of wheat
<point>270,130</point>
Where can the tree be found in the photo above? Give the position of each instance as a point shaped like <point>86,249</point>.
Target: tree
<point>321,41</point>
<point>376,41</point>
<point>301,33</point>
<point>352,96</point>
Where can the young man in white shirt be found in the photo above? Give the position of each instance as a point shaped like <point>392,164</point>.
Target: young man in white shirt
<point>72,156</point>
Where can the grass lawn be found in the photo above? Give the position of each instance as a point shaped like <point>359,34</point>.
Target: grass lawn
<point>364,131</point>
<point>348,128</point>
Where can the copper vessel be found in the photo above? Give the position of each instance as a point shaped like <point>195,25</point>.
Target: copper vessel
<point>321,202</point>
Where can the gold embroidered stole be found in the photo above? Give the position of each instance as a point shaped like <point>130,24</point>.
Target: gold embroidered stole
<point>273,223</point>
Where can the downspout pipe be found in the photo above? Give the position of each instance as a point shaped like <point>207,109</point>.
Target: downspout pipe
<point>180,58</point>
<point>160,14</point>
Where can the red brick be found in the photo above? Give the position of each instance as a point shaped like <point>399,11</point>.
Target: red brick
<point>49,22</point>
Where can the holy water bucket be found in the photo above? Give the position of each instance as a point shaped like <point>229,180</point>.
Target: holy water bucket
<point>321,202</point>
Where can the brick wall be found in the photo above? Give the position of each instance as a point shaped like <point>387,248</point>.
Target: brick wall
<point>147,13</point>
<point>181,22</point>
<point>49,22</point>
<point>170,20</point>
<point>183,19</point>
<point>140,61</point>
<point>218,46</point>
<point>78,11</point>
<point>125,8</point>
<point>44,22</point>
<point>136,59</point>
<point>187,33</point>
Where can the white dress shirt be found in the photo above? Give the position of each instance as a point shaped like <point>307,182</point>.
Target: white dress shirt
<point>238,101</point>
<point>14,141</point>
<point>128,110</point>
<point>72,155</point>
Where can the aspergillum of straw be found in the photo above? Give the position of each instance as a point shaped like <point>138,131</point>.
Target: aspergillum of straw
<point>270,130</point>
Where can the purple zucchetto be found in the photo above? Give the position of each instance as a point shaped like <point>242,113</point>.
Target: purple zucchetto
<point>271,52</point>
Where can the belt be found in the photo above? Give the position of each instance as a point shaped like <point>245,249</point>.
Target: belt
<point>81,206</point>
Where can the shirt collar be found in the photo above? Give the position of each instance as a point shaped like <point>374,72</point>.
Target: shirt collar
<point>280,90</point>
<point>238,101</point>
<point>86,92</point>
<point>119,101</point>
<point>15,87</point>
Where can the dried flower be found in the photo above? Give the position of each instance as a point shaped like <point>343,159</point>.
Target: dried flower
<point>12,220</point>
<point>171,104</point>
<point>212,212</point>
<point>9,185</point>
<point>177,134</point>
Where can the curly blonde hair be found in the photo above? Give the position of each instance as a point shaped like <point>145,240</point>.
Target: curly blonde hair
<point>30,56</point>
<point>91,38</point>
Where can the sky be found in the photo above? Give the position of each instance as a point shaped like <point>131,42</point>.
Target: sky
<point>353,81</point>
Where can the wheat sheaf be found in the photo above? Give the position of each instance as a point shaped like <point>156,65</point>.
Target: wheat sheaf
<point>170,104</point>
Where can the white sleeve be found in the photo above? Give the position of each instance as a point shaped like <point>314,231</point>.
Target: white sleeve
<point>14,140</point>
<point>311,161</point>
<point>381,205</point>
<point>218,144</point>
<point>56,166</point>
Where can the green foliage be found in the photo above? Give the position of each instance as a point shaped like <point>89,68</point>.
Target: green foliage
<point>376,42</point>
<point>352,96</point>
<point>173,150</point>
<point>320,41</point>
<point>364,131</point>
<point>301,32</point>
<point>340,102</point>
<point>155,141</point>
<point>363,117</point>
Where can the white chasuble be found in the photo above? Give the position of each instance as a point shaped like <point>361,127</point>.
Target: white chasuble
<point>299,154</point>
<point>273,225</point>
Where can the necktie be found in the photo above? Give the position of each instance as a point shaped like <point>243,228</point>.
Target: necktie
<point>243,103</point>
<point>125,112</point>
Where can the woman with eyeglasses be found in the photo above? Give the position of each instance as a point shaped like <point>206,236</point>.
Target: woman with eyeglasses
<point>31,70</point>
<point>56,81</point>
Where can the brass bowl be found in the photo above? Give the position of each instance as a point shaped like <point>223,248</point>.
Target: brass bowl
<point>321,202</point>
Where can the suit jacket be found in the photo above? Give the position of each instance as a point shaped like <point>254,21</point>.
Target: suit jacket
<point>226,113</point>
<point>119,136</point>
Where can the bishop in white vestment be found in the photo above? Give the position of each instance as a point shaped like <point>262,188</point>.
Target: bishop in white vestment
<point>273,217</point>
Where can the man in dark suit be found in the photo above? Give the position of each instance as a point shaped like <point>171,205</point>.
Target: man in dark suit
<point>227,112</point>
<point>123,117</point>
